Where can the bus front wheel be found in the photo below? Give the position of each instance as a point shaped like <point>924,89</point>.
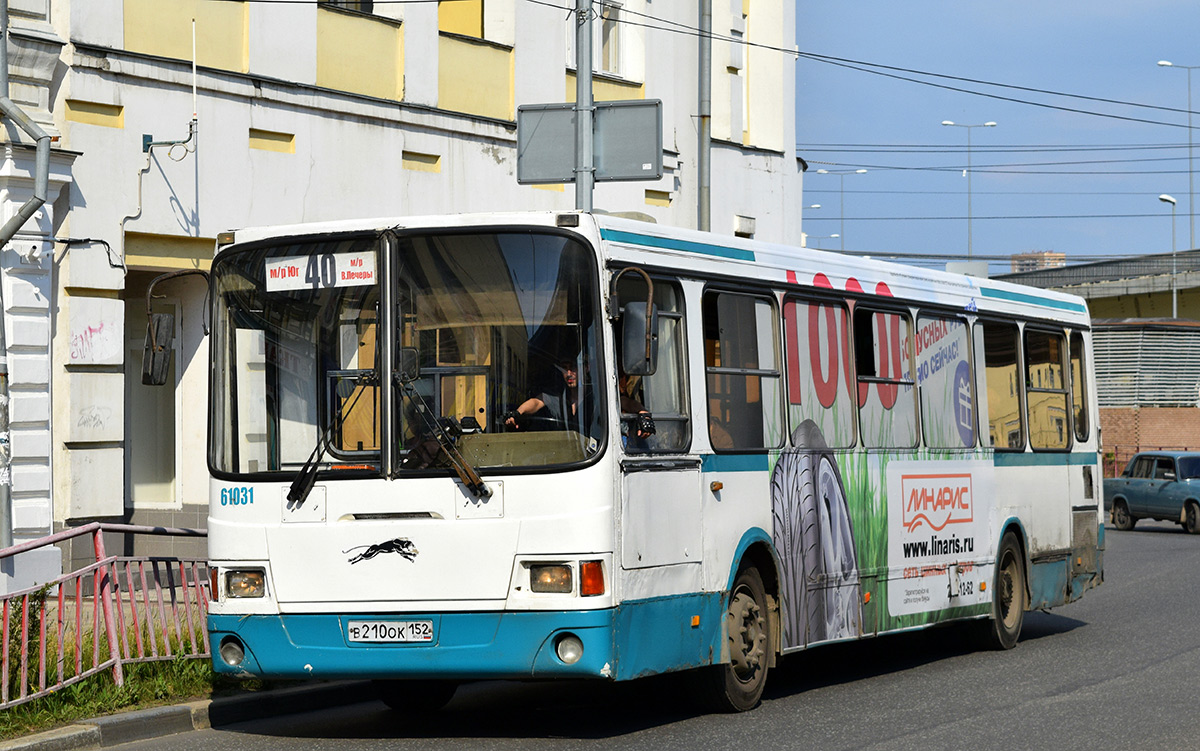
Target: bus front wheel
<point>737,686</point>
<point>1008,595</point>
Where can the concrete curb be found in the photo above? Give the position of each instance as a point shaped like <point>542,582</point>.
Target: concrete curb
<point>156,722</point>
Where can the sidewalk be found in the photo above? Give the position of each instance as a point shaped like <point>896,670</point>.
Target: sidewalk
<point>142,724</point>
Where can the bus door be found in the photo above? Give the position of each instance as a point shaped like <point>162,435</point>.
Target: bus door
<point>1085,493</point>
<point>661,519</point>
<point>1048,407</point>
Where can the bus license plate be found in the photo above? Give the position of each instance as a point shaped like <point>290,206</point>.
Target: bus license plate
<point>379,632</point>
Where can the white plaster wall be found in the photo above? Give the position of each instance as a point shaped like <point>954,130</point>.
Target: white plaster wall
<point>283,41</point>
<point>540,70</point>
<point>420,31</point>
<point>99,22</point>
<point>95,406</point>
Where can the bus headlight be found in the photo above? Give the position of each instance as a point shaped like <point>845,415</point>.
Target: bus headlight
<point>554,577</point>
<point>251,583</point>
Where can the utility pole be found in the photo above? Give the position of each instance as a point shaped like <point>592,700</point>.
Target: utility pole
<point>704,151</point>
<point>584,168</point>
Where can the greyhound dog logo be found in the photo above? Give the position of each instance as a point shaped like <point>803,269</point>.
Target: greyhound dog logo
<point>400,545</point>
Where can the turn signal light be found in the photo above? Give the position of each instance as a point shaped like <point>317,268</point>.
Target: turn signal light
<point>591,578</point>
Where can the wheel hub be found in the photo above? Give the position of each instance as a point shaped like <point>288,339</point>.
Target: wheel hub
<point>747,635</point>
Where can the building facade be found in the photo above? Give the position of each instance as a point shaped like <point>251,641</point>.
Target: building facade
<point>175,120</point>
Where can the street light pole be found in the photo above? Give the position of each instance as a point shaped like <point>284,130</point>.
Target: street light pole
<point>841,174</point>
<point>968,170</point>
<point>1174,292</point>
<point>1191,173</point>
<point>818,238</point>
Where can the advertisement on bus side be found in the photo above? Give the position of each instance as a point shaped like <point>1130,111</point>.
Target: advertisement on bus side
<point>939,531</point>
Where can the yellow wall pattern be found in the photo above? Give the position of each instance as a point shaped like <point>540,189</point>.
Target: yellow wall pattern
<point>475,78</point>
<point>164,28</point>
<point>461,17</point>
<point>360,54</point>
<point>607,90</point>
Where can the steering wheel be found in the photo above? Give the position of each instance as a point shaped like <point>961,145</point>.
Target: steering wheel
<point>534,423</point>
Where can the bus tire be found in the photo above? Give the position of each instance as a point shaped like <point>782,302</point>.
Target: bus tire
<point>1121,517</point>
<point>415,697</point>
<point>737,686</point>
<point>1009,598</point>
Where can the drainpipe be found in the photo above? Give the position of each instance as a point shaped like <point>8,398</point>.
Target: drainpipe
<point>41,179</point>
<point>703,165</point>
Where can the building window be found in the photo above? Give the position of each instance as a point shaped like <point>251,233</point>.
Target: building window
<point>610,38</point>
<point>608,30</point>
<point>362,6</point>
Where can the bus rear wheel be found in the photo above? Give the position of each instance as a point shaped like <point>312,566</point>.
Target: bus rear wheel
<point>416,697</point>
<point>1008,595</point>
<point>738,685</point>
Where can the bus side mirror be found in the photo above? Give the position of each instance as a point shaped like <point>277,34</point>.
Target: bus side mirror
<point>639,339</point>
<point>156,357</point>
<point>410,365</point>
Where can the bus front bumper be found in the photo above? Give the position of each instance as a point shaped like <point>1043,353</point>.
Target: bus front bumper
<point>464,646</point>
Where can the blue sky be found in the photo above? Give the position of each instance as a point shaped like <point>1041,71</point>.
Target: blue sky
<point>1100,49</point>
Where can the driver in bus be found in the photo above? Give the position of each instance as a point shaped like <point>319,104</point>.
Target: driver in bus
<point>559,405</point>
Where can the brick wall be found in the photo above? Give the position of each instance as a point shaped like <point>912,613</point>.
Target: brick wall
<point>1128,430</point>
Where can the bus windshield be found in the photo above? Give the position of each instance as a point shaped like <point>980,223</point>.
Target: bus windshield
<point>495,347</point>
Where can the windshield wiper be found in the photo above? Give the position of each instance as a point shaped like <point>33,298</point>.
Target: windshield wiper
<point>306,478</point>
<point>468,474</point>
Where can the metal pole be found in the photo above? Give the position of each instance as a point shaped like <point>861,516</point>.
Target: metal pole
<point>1174,286</point>
<point>704,148</point>
<point>1191,172</point>
<point>968,192</point>
<point>584,167</point>
<point>842,210</point>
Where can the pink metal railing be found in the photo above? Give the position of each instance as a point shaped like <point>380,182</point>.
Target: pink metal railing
<point>132,609</point>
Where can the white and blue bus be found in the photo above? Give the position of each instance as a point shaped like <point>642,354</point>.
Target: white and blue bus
<point>565,445</point>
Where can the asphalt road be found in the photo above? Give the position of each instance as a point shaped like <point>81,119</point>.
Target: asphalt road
<point>1116,670</point>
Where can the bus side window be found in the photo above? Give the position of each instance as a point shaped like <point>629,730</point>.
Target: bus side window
<point>1079,385</point>
<point>887,397</point>
<point>996,352</point>
<point>944,376</point>
<point>819,389</point>
<point>664,394</point>
<point>742,371</point>
<point>1046,389</point>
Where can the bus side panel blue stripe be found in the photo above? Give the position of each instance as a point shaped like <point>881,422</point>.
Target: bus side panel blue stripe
<point>735,463</point>
<point>1007,459</point>
<point>1003,294</point>
<point>669,243</point>
<point>1047,584</point>
<point>657,636</point>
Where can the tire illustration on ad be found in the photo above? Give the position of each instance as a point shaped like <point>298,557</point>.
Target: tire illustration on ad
<point>814,538</point>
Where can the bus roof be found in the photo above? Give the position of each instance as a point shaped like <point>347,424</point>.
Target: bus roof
<point>687,252</point>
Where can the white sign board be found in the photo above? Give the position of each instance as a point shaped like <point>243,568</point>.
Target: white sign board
<point>321,271</point>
